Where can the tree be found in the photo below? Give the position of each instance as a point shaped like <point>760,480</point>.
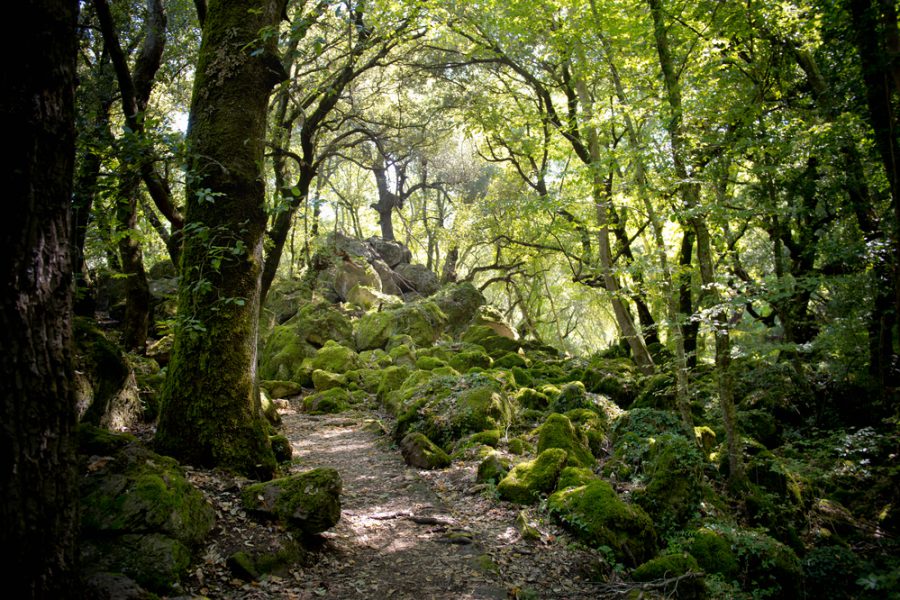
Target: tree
<point>210,412</point>
<point>38,517</point>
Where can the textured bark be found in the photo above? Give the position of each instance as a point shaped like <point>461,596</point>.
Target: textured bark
<point>137,291</point>
<point>38,517</point>
<point>210,412</point>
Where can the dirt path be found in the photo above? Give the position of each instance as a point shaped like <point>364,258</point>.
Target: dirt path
<point>406,533</point>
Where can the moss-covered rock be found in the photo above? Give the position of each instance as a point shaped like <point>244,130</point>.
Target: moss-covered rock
<point>593,425</point>
<point>242,566</point>
<point>281,389</point>
<point>420,452</point>
<point>323,380</point>
<point>392,379</point>
<point>268,408</point>
<point>596,514</point>
<point>141,492</point>
<point>402,354</point>
<point>281,448</point>
<point>492,468</point>
<point>463,361</point>
<point>427,363</point>
<point>511,360</point>
<point>616,378</point>
<point>713,553</point>
<point>495,345</point>
<point>673,568</point>
<point>766,565</point>
<point>533,399</point>
<point>571,396</point>
<point>528,480</point>
<point>153,560</point>
<point>574,477</point>
<point>517,446</point>
<point>334,358</point>
<point>657,391</point>
<point>460,302</point>
<point>558,432</point>
<point>332,400</point>
<point>673,470</point>
<point>309,502</point>
<point>423,321</point>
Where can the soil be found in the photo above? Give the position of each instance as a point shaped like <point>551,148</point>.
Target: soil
<point>403,533</point>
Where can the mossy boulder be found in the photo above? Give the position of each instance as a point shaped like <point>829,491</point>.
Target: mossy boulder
<point>596,514</point>
<point>764,563</point>
<point>138,491</point>
<point>494,344</point>
<point>140,515</point>
<point>416,278</point>
<point>517,446</point>
<point>323,380</point>
<point>713,553</point>
<point>558,432</point>
<point>463,361</point>
<point>284,348</point>
<point>392,379</point>
<point>616,378</point>
<point>460,302</point>
<point>511,360</point>
<point>593,425</point>
<point>533,399</point>
<point>332,400</point>
<point>281,389</point>
<point>403,355</point>
<point>420,452</point>
<point>428,363</point>
<point>529,480</point>
<point>673,470</point>
<point>282,356</point>
<point>334,358</point>
<point>309,502</point>
<point>657,391</point>
<point>571,396</point>
<point>268,408</point>
<point>574,477</point>
<point>674,570</point>
<point>281,448</point>
<point>423,321</point>
<point>492,468</point>
<point>448,407</point>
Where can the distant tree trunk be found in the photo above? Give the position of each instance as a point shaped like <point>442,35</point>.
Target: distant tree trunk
<point>210,412</point>
<point>387,200</point>
<point>685,302</point>
<point>137,290</point>
<point>38,516</point>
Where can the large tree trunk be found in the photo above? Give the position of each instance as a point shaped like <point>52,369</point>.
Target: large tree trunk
<point>210,411</point>
<point>137,290</point>
<point>38,517</point>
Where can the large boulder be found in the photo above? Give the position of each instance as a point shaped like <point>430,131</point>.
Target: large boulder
<point>139,514</point>
<point>309,502</point>
<point>460,302</point>
<point>386,274</point>
<point>334,358</point>
<point>423,321</point>
<point>417,278</point>
<point>598,516</point>
<point>350,273</point>
<point>391,252</point>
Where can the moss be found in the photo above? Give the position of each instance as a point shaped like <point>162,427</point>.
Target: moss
<point>713,553</point>
<point>671,567</point>
<point>282,355</point>
<point>533,399</point>
<point>558,432</point>
<point>765,564</point>
<point>154,561</point>
<point>94,440</point>
<point>574,477</point>
<point>522,376</point>
<point>268,408</point>
<point>528,480</point>
<point>570,397</point>
<point>323,380</point>
<point>423,321</point>
<point>427,363</point>
<point>706,438</point>
<point>673,469</point>
<point>495,345</point>
<point>596,514</point>
<point>242,566</point>
<point>281,448</point>
<point>402,355</point>
<point>392,378</point>
<point>593,425</point>
<point>517,446</point>
<point>459,302</point>
<point>617,378</point>
<point>141,491</point>
<point>334,358</point>
<point>333,400</point>
<point>463,361</point>
<point>375,359</point>
<point>510,360</point>
<point>281,389</point>
<point>373,330</point>
<point>420,452</point>
<point>308,501</point>
<point>492,468</point>
<point>657,391</point>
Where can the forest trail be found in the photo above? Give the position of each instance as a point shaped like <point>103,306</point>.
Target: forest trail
<point>423,535</point>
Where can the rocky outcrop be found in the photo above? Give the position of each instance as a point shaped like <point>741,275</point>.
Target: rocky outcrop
<point>309,502</point>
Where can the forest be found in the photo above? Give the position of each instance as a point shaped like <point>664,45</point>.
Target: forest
<point>451,299</point>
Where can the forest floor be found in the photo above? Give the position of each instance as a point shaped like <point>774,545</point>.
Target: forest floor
<point>403,533</point>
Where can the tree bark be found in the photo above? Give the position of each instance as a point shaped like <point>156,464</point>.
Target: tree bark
<point>210,412</point>
<point>38,516</point>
